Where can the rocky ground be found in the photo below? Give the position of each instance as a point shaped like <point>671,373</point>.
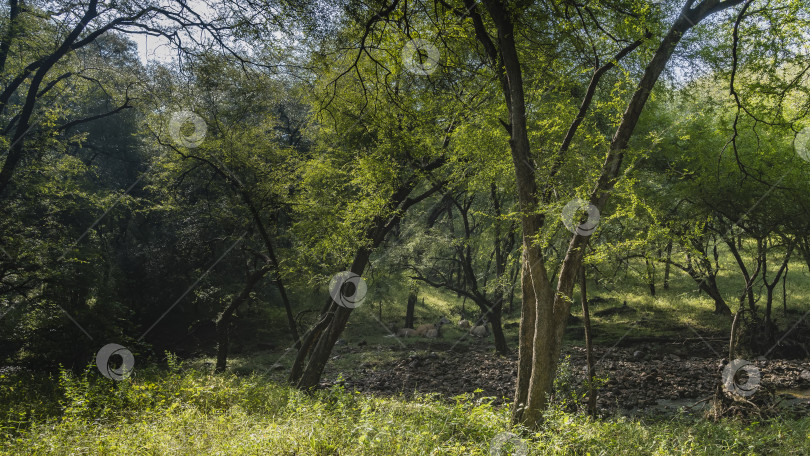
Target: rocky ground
<point>639,377</point>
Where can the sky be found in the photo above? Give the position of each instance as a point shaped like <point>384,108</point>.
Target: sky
<point>153,49</point>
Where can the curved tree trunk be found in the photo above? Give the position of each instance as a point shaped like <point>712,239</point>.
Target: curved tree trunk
<point>321,345</point>
<point>319,341</point>
<point>710,287</point>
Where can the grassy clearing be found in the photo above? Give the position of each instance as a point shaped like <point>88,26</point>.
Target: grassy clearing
<point>185,412</point>
<point>672,312</point>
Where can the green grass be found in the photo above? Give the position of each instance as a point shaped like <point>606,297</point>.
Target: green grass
<point>185,412</point>
<point>672,312</point>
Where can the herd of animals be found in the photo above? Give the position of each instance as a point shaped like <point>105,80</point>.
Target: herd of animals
<point>434,331</point>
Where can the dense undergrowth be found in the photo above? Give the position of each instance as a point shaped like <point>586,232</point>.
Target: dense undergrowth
<point>187,412</point>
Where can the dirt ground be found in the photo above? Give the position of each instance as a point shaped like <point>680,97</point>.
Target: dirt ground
<point>640,377</point>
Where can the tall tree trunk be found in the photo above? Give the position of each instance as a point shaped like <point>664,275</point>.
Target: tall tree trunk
<point>536,368</point>
<point>494,317</point>
<point>553,309</point>
<point>224,320</point>
<point>409,312</point>
<point>748,277</point>
<point>667,265</point>
<point>586,321</point>
<point>545,310</point>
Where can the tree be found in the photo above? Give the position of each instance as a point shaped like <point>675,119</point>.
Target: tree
<point>33,70</point>
<point>394,129</point>
<point>546,307</point>
<point>481,253</point>
<point>252,152</point>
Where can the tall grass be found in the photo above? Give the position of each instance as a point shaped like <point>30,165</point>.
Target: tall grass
<point>186,412</point>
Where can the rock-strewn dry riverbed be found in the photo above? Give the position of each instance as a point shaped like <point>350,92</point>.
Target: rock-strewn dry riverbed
<point>641,377</point>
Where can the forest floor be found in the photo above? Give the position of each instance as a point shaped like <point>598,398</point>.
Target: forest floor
<point>637,378</point>
<point>649,359</point>
<point>384,396</point>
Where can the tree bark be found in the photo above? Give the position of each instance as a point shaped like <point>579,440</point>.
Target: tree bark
<point>586,322</point>
<point>497,330</point>
<point>711,289</point>
<point>337,316</point>
<point>409,313</point>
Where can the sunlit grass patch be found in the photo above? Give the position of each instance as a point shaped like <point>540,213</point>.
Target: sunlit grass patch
<point>186,412</point>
